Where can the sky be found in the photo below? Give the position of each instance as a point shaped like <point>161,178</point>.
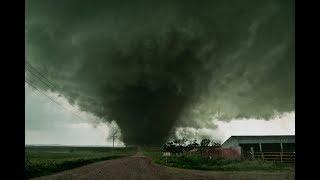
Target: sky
<point>49,124</point>
<point>152,68</point>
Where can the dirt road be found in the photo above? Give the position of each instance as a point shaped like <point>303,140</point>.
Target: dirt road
<point>139,167</point>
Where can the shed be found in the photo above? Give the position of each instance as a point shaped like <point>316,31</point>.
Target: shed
<point>264,143</point>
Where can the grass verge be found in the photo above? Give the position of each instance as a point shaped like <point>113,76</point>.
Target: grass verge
<point>42,168</point>
<point>42,161</point>
<point>215,163</point>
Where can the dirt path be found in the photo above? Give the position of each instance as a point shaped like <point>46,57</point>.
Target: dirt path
<point>139,167</point>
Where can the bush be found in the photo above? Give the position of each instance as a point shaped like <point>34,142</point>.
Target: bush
<point>216,163</point>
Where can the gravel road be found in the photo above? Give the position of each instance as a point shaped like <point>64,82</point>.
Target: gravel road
<point>139,167</point>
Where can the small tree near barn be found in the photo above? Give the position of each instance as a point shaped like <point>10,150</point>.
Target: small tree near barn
<point>192,145</point>
<point>204,144</point>
<point>216,145</point>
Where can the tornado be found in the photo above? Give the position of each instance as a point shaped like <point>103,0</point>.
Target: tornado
<point>154,66</point>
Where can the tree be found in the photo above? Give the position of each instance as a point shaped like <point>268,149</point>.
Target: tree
<point>113,133</point>
<point>195,144</point>
<point>216,145</point>
<point>176,141</point>
<point>205,142</point>
<point>168,147</point>
<point>192,145</point>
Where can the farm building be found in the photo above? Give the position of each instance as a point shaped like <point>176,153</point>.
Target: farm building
<point>261,146</point>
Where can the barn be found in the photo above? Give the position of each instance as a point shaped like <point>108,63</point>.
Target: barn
<point>272,147</point>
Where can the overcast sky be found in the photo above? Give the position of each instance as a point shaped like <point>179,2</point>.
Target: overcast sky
<point>48,123</point>
<point>210,68</point>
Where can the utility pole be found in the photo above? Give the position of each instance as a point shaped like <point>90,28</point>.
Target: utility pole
<point>113,143</point>
<point>114,133</point>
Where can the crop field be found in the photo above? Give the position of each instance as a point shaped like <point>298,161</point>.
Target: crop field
<point>215,163</point>
<point>45,160</point>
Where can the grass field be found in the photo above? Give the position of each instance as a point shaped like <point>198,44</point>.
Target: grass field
<point>215,163</point>
<point>45,160</point>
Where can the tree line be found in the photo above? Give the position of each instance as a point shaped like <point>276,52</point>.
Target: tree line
<point>177,146</point>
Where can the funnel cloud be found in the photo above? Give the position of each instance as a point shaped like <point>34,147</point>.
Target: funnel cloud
<point>153,66</point>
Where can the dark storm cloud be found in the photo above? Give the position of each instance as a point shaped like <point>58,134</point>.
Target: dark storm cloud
<point>152,66</point>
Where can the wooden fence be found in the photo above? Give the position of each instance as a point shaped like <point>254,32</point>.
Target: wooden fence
<point>287,157</point>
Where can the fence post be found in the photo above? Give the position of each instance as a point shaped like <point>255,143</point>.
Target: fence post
<point>252,152</point>
<point>261,151</point>
<point>281,152</point>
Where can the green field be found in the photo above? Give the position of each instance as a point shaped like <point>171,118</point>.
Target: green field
<point>215,163</point>
<point>45,160</point>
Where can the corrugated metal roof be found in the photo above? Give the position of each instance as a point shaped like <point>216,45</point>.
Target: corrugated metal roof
<point>250,136</point>
<point>260,137</point>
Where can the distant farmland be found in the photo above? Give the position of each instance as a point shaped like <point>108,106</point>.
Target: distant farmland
<point>45,160</point>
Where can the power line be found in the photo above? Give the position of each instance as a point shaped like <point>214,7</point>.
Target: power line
<point>35,77</point>
<point>37,73</point>
<point>51,99</point>
<point>34,87</point>
<point>38,84</point>
<point>45,83</point>
<point>40,79</point>
<point>40,87</point>
<point>41,73</point>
